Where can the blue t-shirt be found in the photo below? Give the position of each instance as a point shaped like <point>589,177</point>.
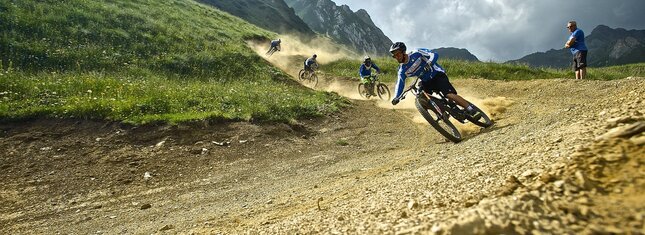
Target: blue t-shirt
<point>579,42</point>
<point>422,64</point>
<point>275,43</point>
<point>367,71</point>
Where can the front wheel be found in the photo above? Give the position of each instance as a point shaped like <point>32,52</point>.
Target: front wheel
<point>362,91</point>
<point>383,91</point>
<point>440,123</point>
<point>313,80</point>
<point>483,121</point>
<point>309,79</point>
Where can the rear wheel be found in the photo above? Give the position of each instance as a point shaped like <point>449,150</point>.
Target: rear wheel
<point>301,75</point>
<point>383,91</point>
<point>483,121</point>
<point>442,125</point>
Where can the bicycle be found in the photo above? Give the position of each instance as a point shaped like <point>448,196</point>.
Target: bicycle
<point>308,78</point>
<point>437,110</point>
<point>271,51</point>
<point>367,90</point>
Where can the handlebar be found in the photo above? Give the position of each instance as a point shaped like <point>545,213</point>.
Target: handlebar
<point>373,77</point>
<point>412,87</point>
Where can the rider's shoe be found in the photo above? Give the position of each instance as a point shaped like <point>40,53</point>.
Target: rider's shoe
<point>474,113</point>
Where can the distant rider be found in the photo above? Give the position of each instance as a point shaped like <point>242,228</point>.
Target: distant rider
<point>275,46</point>
<point>311,64</point>
<point>365,72</point>
<point>423,64</point>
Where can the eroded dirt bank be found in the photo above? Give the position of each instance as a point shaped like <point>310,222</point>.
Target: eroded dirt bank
<point>565,156</point>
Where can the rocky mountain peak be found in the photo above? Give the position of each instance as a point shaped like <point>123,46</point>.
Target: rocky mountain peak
<point>356,30</point>
<point>363,15</point>
<point>272,15</point>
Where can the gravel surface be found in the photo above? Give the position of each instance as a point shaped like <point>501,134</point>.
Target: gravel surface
<point>564,157</point>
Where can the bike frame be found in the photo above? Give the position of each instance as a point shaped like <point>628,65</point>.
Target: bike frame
<point>446,110</point>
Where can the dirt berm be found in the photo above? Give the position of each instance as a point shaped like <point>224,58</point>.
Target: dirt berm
<point>564,157</point>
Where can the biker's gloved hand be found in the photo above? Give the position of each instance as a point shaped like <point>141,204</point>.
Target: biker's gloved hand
<point>395,101</point>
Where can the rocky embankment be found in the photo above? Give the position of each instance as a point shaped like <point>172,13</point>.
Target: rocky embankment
<point>599,189</point>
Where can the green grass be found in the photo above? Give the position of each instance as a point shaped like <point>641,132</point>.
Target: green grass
<point>487,70</point>
<point>141,61</point>
<point>153,99</point>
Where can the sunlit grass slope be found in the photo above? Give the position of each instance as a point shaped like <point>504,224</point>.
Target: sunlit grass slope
<point>141,61</point>
<point>495,71</point>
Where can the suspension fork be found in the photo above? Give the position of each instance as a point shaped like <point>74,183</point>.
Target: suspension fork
<point>434,105</point>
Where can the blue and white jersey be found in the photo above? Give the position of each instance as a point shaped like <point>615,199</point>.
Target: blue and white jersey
<point>310,61</point>
<point>364,71</point>
<point>579,41</point>
<point>275,43</point>
<point>422,64</point>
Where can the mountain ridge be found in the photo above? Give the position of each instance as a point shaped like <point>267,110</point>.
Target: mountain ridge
<point>353,29</point>
<point>607,47</point>
<point>455,53</point>
<point>272,15</point>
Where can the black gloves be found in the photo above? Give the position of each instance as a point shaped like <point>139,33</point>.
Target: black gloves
<point>395,101</point>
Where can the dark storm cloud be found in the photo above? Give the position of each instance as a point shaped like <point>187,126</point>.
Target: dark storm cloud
<point>496,30</point>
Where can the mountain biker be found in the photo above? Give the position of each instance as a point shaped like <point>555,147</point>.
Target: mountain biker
<point>365,71</point>
<point>275,46</point>
<point>311,64</point>
<point>423,64</point>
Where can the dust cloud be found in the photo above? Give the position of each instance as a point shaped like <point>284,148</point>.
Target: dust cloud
<point>346,89</point>
<point>493,107</point>
<point>295,51</point>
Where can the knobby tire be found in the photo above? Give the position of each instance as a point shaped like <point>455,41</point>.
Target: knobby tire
<point>455,136</point>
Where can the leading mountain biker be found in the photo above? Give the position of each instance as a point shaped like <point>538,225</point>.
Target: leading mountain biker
<point>311,64</point>
<point>423,64</point>
<point>365,71</point>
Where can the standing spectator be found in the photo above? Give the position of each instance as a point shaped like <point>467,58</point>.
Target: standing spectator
<point>576,44</point>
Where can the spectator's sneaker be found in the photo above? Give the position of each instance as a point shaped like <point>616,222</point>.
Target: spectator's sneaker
<point>474,113</point>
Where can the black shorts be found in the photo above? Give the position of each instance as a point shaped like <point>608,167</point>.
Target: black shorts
<point>439,83</point>
<point>579,60</point>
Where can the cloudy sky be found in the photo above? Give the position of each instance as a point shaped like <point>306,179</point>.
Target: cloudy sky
<point>496,30</point>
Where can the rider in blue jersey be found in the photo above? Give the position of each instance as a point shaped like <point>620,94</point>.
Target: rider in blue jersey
<point>311,64</point>
<point>365,72</point>
<point>423,64</point>
<point>275,46</point>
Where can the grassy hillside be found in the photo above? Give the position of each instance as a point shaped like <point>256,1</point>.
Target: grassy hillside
<point>465,69</point>
<point>140,61</point>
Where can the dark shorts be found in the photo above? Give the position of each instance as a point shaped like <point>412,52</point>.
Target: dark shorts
<point>439,83</point>
<point>579,60</point>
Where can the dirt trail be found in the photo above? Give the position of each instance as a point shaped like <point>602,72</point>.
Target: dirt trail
<point>368,169</point>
